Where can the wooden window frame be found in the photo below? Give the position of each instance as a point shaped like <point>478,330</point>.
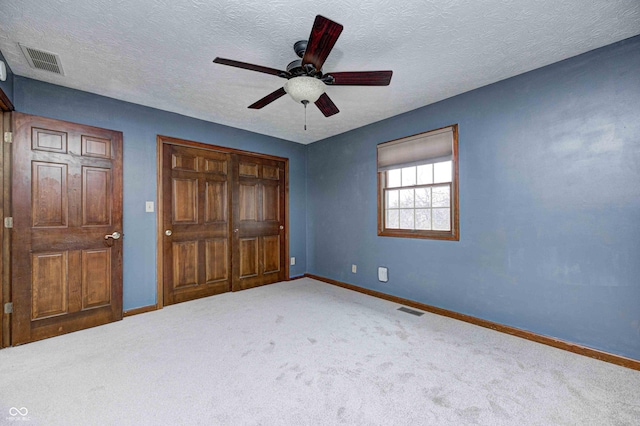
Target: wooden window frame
<point>454,233</point>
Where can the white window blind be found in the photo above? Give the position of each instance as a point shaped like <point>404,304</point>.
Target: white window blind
<point>425,148</point>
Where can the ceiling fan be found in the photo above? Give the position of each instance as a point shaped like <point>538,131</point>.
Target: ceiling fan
<point>306,81</point>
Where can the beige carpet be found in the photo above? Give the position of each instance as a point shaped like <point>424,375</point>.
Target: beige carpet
<point>306,353</point>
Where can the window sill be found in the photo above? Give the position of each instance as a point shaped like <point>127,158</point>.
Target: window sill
<point>427,235</point>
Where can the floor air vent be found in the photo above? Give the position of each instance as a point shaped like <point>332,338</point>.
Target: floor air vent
<point>411,311</point>
<point>41,60</point>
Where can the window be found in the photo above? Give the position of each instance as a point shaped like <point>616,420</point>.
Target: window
<point>418,186</point>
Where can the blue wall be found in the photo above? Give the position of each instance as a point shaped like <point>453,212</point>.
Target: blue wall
<point>140,126</point>
<point>7,85</point>
<point>549,204</point>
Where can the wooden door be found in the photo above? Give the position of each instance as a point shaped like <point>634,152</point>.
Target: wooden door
<point>196,252</point>
<point>258,221</point>
<point>67,197</point>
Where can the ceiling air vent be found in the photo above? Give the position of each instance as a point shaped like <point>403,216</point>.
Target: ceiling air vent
<point>41,60</point>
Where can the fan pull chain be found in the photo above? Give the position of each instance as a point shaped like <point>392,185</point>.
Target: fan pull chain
<point>305,114</point>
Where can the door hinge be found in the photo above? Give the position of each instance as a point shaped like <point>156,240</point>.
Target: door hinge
<point>8,308</point>
<point>8,137</point>
<point>8,222</point>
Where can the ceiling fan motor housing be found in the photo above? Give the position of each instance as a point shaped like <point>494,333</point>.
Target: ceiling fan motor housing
<point>297,68</point>
<point>300,47</point>
<point>294,66</point>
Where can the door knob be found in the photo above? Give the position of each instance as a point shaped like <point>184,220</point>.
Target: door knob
<point>168,232</point>
<point>116,236</point>
<point>281,227</point>
<point>235,230</point>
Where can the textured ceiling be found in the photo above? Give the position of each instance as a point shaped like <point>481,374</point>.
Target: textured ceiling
<point>159,52</point>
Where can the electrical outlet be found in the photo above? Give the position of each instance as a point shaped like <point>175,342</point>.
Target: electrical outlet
<point>293,261</point>
<point>354,268</point>
<point>149,206</point>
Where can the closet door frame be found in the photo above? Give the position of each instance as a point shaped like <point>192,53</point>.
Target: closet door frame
<point>162,141</point>
<point>6,107</point>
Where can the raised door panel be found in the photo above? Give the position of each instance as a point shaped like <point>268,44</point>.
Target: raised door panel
<point>271,172</point>
<point>185,264</point>
<point>271,254</point>
<point>215,166</point>
<point>248,257</point>
<point>49,195</point>
<point>215,209</point>
<point>270,202</point>
<point>96,196</point>
<point>216,259</point>
<point>184,162</point>
<point>184,201</point>
<point>48,140</point>
<point>248,202</point>
<point>96,278</point>
<point>248,169</point>
<point>49,284</point>
<point>96,147</point>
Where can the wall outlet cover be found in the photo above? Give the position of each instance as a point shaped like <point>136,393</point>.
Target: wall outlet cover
<point>383,274</point>
<point>149,206</point>
<point>354,268</point>
<point>293,261</point>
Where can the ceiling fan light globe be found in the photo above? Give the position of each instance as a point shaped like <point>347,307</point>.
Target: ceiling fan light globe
<point>304,89</point>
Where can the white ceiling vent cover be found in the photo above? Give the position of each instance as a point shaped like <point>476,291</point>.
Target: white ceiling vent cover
<point>41,60</point>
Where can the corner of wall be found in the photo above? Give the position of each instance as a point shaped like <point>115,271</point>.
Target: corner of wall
<point>307,236</point>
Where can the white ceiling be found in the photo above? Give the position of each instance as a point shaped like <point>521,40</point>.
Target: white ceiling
<point>159,52</point>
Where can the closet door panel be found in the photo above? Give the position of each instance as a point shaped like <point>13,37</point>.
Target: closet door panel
<point>258,221</point>
<point>196,259</point>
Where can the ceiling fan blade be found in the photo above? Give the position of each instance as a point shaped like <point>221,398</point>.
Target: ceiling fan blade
<point>268,99</point>
<point>326,105</point>
<point>324,35</point>
<point>361,78</point>
<point>251,67</point>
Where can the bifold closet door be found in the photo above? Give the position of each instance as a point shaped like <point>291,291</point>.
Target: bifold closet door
<point>223,222</point>
<point>258,221</point>
<point>196,246</point>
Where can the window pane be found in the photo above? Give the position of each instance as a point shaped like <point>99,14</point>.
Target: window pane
<point>442,172</point>
<point>392,219</point>
<point>423,219</point>
<point>392,199</point>
<point>393,177</point>
<point>425,174</point>
<point>406,198</point>
<point>409,176</point>
<point>441,196</point>
<point>406,219</point>
<point>423,197</point>
<point>441,219</point>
